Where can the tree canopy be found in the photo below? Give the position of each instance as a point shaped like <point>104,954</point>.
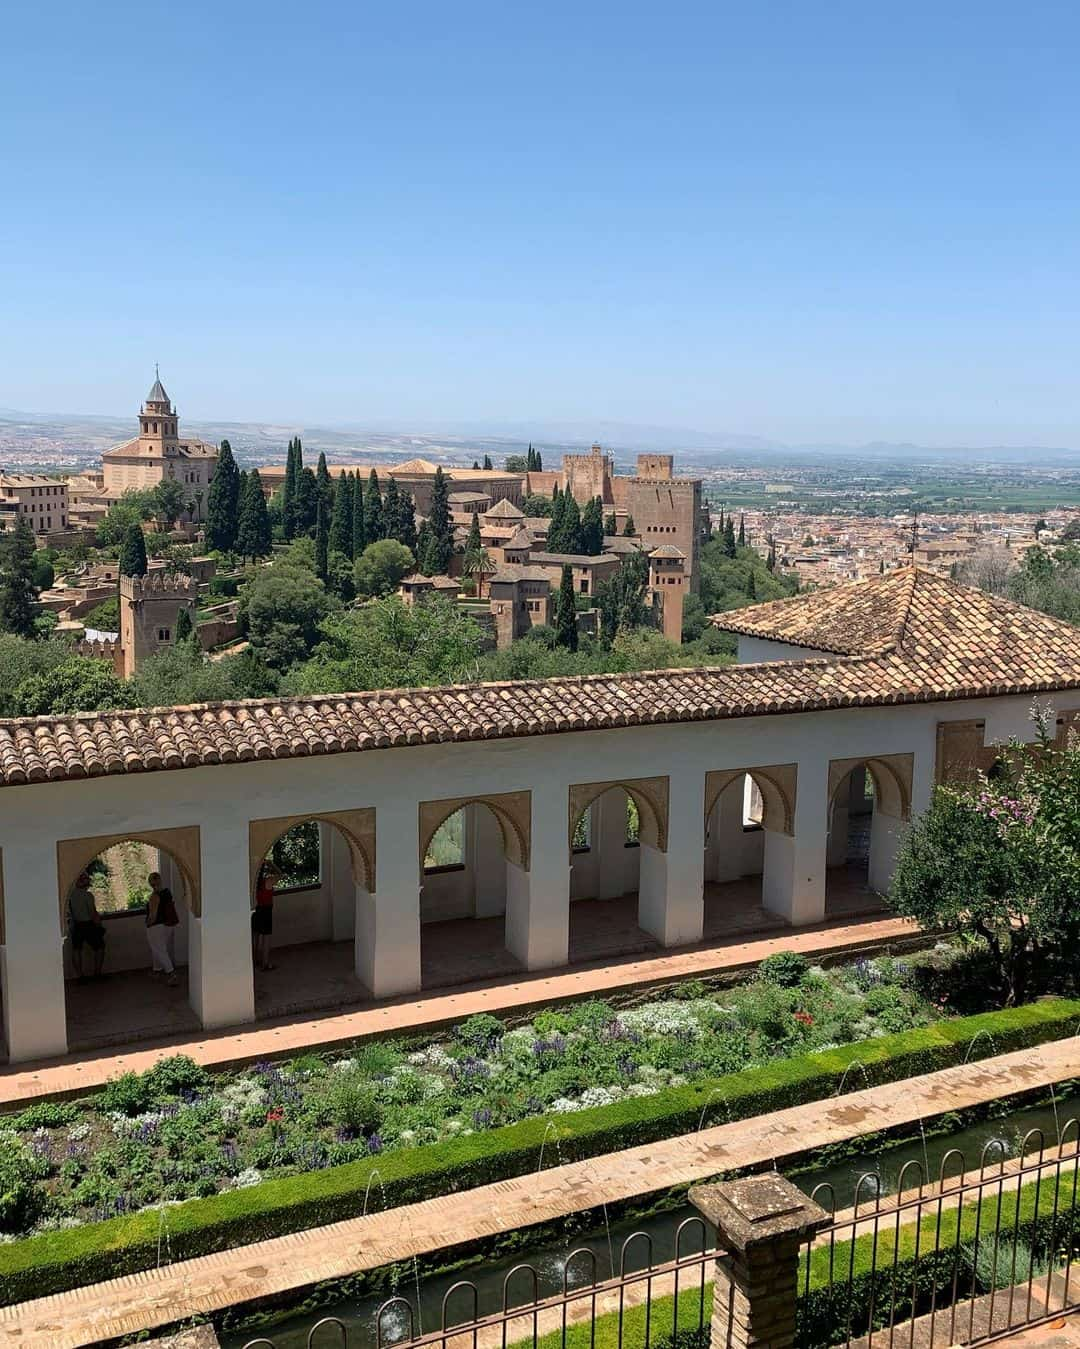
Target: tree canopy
<point>18,598</point>
<point>223,502</point>
<point>133,551</point>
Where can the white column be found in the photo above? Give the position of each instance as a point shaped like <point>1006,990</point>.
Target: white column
<point>793,879</point>
<point>671,888</point>
<point>538,900</point>
<point>338,877</point>
<point>487,859</point>
<point>886,832</point>
<point>221,984</point>
<point>609,842</point>
<point>388,921</point>
<point>32,957</point>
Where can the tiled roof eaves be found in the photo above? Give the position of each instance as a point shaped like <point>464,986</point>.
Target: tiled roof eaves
<point>47,749</point>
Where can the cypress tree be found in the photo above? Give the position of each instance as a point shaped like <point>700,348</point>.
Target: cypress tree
<point>592,527</point>
<point>770,561</point>
<point>488,466</point>
<point>306,502</point>
<point>341,520</point>
<point>322,539</point>
<point>720,527</point>
<point>539,462</point>
<point>17,594</point>
<point>374,523</point>
<point>571,539</point>
<point>326,487</point>
<point>407,534</point>
<point>133,552</point>
<point>391,507</point>
<point>742,531</point>
<point>359,538</point>
<point>558,511</point>
<point>288,490</point>
<point>223,502</point>
<point>729,538</point>
<point>184,629</point>
<point>474,545</point>
<point>611,526</point>
<point>426,562</point>
<point>476,465</point>
<point>442,529</point>
<point>629,529</point>
<point>566,612</point>
<point>751,585</point>
<point>253,537</point>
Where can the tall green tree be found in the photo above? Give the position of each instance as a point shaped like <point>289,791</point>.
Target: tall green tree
<point>184,629</point>
<point>621,600</point>
<point>374,521</point>
<point>306,504</point>
<point>18,599</point>
<point>570,539</point>
<point>325,486</point>
<point>729,538</point>
<point>566,612</point>
<point>592,527</point>
<point>168,501</point>
<point>359,535</point>
<point>391,509</point>
<point>474,545</point>
<point>407,526</point>
<point>133,552</point>
<point>294,464</point>
<point>427,560</point>
<point>442,529</point>
<point>742,532</point>
<point>253,535</point>
<point>223,503</point>
<point>611,526</point>
<point>341,520</point>
<point>539,462</point>
<point>322,539</point>
<point>629,529</point>
<point>488,465</point>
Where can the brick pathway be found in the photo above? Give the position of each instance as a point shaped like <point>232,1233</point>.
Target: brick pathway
<point>78,1073</point>
<point>209,1283</point>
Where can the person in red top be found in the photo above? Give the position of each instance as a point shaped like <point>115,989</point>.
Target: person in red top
<point>262,916</point>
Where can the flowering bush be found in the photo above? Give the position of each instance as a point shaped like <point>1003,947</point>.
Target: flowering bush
<point>999,860</point>
<point>176,1132</point>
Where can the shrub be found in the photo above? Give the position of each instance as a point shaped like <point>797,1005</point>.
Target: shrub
<point>128,1094</point>
<point>45,1115</point>
<point>352,1105</point>
<point>176,1075</point>
<point>479,1034</point>
<point>786,969</point>
<point>22,1199</point>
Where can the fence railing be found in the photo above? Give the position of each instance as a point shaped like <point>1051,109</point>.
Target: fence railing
<point>962,1258</point>
<point>648,1301</point>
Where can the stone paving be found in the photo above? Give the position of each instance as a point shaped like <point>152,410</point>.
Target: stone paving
<point>83,1071</point>
<point>209,1283</point>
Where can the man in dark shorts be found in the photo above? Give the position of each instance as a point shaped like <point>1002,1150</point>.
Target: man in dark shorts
<point>87,929</point>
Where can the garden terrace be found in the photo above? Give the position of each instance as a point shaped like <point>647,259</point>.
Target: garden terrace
<point>690,803</point>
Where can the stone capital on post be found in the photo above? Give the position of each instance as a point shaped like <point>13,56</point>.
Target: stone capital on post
<point>761,1222</point>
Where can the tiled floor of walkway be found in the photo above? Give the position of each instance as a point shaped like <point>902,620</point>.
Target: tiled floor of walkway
<point>84,1070</point>
<point>139,1301</point>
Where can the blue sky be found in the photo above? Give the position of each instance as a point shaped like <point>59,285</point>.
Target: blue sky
<point>828,221</point>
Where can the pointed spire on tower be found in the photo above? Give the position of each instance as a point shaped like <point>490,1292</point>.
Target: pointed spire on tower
<point>157,394</point>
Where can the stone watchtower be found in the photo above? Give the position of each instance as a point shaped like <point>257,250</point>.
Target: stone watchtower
<point>668,580</point>
<point>149,608</point>
<point>158,422</point>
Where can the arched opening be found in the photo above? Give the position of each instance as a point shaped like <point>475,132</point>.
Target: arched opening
<point>612,825</point>
<point>868,803</point>
<point>125,949</point>
<point>311,881</point>
<point>747,816</point>
<point>474,852</point>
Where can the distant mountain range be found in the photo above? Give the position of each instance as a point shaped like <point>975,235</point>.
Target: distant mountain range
<point>83,437</point>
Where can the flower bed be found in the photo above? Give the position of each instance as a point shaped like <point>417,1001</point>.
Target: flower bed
<point>68,1256</point>
<point>177,1133</point>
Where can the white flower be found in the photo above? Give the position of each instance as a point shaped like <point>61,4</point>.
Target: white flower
<point>249,1176</point>
<point>78,1132</point>
<point>664,1018</point>
<point>344,1065</point>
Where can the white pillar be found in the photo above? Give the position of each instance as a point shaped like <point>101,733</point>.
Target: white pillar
<point>793,878</point>
<point>388,921</point>
<point>32,957</point>
<point>538,900</point>
<point>221,984</point>
<point>338,877</point>
<point>886,832</point>
<point>609,842</point>
<point>671,885</point>
<point>486,857</point>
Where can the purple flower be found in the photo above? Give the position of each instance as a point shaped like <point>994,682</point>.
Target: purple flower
<point>481,1118</point>
<point>375,1144</point>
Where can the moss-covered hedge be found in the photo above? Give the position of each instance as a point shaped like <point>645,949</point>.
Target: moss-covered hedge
<point>67,1258</point>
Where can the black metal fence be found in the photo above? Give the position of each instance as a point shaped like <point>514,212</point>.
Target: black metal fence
<point>965,1257</point>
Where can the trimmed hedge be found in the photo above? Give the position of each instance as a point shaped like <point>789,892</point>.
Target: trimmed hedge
<point>69,1257</point>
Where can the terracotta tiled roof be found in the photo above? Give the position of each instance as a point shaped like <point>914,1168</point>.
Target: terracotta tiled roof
<point>948,642</point>
<point>860,619</point>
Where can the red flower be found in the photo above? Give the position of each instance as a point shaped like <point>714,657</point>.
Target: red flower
<point>275,1116</point>
<point>805,1018</point>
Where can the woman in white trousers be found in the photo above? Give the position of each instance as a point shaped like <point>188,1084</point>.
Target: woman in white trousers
<point>161,918</point>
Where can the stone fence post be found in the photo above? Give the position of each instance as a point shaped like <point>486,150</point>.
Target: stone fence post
<point>761,1223</point>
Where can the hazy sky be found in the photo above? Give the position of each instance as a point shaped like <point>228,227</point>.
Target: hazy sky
<point>817,220</point>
